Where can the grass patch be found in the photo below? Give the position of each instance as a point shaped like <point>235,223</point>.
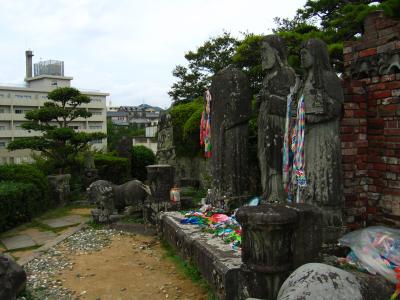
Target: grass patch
<point>132,219</point>
<point>188,269</point>
<point>94,225</point>
<point>24,249</point>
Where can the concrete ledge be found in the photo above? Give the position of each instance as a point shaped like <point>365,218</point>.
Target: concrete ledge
<point>216,261</point>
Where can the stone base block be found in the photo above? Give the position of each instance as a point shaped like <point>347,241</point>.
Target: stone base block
<point>216,261</point>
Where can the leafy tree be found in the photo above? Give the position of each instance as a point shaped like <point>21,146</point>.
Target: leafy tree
<point>58,141</point>
<point>141,157</point>
<point>333,21</point>
<point>116,132</point>
<point>248,58</point>
<point>214,55</point>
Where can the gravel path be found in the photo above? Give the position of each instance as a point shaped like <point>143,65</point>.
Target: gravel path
<point>42,271</point>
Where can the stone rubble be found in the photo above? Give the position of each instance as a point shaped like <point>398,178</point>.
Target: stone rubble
<point>41,271</point>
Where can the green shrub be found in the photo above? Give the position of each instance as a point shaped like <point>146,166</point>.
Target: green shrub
<point>19,202</point>
<point>141,157</point>
<point>27,173</point>
<point>186,123</point>
<point>112,168</point>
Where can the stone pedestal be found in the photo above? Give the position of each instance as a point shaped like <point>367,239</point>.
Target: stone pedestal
<point>276,239</point>
<point>60,188</point>
<point>267,236</point>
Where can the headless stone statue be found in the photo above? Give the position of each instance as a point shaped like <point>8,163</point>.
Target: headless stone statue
<point>230,112</point>
<point>276,86</point>
<point>323,99</point>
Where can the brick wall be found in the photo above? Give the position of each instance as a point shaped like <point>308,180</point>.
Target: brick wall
<point>370,128</point>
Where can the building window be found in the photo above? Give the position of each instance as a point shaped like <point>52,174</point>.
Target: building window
<point>19,111</point>
<point>2,111</point>
<point>96,113</point>
<point>75,127</point>
<point>2,144</point>
<point>95,127</point>
<point>54,82</point>
<point>3,127</point>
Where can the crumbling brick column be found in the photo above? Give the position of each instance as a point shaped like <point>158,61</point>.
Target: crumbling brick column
<point>370,128</point>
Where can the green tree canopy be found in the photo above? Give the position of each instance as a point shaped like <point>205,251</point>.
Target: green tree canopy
<point>57,141</point>
<point>214,55</point>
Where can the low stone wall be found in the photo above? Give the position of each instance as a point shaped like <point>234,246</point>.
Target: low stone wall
<point>218,264</point>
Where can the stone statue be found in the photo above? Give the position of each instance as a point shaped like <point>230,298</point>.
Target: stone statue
<point>109,197</point>
<point>230,113</point>
<point>323,100</point>
<point>278,81</point>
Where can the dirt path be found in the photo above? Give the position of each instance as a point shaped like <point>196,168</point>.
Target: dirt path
<point>132,267</point>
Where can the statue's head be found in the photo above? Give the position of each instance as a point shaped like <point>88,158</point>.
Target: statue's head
<point>273,47</point>
<point>314,54</point>
<point>100,191</point>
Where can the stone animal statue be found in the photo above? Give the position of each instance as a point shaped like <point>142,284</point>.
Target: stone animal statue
<point>109,197</point>
<point>278,82</point>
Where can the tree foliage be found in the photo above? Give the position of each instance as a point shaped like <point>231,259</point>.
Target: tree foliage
<point>333,21</point>
<point>214,55</point>
<point>116,132</point>
<point>141,157</point>
<point>58,142</point>
<point>185,119</point>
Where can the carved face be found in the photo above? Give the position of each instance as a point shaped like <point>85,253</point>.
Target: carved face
<point>267,56</point>
<point>306,59</point>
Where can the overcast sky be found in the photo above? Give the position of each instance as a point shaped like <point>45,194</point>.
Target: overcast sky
<point>127,48</point>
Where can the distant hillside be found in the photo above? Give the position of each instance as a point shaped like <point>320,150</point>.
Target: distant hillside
<point>144,106</point>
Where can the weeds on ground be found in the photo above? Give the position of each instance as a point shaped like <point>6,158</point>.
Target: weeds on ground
<point>196,194</point>
<point>188,269</point>
<point>95,225</point>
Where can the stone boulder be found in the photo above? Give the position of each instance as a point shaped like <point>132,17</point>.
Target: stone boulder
<point>322,282</point>
<point>325,282</point>
<point>12,278</point>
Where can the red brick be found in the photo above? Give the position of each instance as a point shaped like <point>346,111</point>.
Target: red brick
<point>361,144</point>
<point>374,174</point>
<point>348,113</point>
<point>376,87</point>
<point>367,52</point>
<point>379,166</point>
<point>359,98</point>
<point>360,113</point>
<point>347,137</point>
<point>389,77</point>
<point>351,151</point>
<point>376,123</point>
<point>392,139</point>
<point>393,85</point>
<point>347,159</point>
<point>346,129</point>
<point>375,131</point>
<point>382,94</point>
<point>391,124</point>
<point>394,168</point>
<point>392,132</point>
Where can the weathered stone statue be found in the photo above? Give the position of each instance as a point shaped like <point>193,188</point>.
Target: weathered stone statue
<point>165,142</point>
<point>230,111</point>
<point>323,99</point>
<point>109,197</point>
<point>278,81</point>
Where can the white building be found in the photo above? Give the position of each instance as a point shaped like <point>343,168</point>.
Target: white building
<point>15,101</point>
